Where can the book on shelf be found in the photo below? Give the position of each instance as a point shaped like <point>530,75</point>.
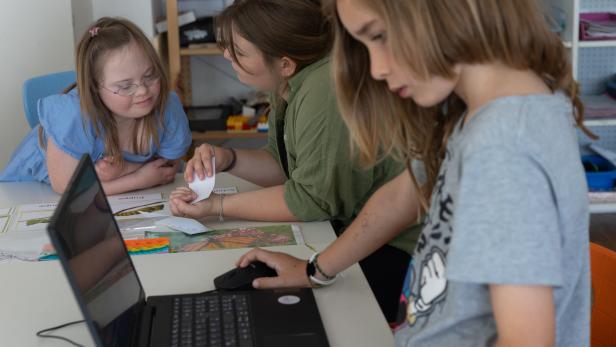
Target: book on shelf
<point>602,197</point>
<point>183,19</point>
<point>599,106</point>
<point>598,26</point>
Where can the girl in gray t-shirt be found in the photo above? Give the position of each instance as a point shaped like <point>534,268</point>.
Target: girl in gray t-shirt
<point>482,93</point>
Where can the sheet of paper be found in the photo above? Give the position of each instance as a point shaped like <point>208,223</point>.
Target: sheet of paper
<point>127,202</point>
<point>203,187</point>
<point>185,225</point>
<point>24,246</point>
<point>5,217</point>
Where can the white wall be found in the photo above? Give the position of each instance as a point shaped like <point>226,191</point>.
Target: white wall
<point>139,12</point>
<point>37,39</point>
<point>82,17</point>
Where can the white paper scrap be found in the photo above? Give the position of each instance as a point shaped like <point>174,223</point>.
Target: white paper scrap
<point>185,225</point>
<point>203,187</point>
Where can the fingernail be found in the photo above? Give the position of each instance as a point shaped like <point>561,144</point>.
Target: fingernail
<point>255,284</point>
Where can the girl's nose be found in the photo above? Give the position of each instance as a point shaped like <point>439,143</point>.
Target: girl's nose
<point>379,65</point>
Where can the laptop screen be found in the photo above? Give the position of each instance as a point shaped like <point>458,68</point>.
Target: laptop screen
<point>99,269</point>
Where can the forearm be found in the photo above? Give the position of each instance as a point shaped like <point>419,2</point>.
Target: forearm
<point>265,204</point>
<point>259,167</point>
<point>390,210</point>
<point>123,184</point>
<point>107,171</point>
<point>129,168</point>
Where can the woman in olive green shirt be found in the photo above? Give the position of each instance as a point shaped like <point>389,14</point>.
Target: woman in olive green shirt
<point>306,169</point>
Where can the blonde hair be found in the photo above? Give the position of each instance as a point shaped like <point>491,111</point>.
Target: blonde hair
<point>104,36</point>
<point>431,37</point>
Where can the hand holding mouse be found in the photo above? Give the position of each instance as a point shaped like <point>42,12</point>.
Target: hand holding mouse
<point>291,271</point>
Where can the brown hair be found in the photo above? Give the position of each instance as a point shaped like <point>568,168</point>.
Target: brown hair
<point>104,36</point>
<point>448,32</point>
<point>295,29</point>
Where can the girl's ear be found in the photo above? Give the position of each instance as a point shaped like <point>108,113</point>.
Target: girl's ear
<point>287,67</point>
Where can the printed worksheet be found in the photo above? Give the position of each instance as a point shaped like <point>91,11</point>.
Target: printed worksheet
<point>5,217</point>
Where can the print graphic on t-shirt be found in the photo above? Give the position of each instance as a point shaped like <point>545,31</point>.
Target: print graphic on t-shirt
<point>426,286</point>
<point>431,287</point>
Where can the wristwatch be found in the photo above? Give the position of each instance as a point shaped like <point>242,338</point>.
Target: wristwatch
<point>310,272</point>
<point>311,269</point>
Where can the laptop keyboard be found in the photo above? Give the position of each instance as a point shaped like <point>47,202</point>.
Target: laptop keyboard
<point>212,320</point>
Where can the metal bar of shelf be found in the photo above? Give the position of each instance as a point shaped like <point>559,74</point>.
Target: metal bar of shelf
<point>600,122</point>
<point>603,208</point>
<point>594,44</point>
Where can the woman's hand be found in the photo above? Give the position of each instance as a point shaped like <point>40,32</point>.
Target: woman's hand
<point>291,271</point>
<point>201,162</point>
<point>107,170</point>
<point>156,172</point>
<point>179,202</point>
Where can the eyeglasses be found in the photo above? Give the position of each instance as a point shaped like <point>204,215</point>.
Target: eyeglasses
<point>131,89</point>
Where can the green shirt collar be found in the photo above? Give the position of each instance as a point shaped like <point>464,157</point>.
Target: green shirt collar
<point>296,81</point>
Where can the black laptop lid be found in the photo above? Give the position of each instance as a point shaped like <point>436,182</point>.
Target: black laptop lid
<point>99,269</point>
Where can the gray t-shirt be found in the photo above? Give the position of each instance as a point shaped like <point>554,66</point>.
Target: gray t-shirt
<point>510,206</point>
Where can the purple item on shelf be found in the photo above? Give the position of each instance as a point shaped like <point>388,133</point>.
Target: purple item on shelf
<point>597,26</point>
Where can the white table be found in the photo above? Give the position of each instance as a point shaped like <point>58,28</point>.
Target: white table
<point>36,295</point>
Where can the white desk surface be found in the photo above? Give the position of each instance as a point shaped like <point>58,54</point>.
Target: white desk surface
<point>36,295</point>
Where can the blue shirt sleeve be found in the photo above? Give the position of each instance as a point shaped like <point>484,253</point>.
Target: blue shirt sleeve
<point>61,118</point>
<point>175,137</point>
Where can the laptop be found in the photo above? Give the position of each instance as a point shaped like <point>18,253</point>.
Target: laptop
<point>117,312</point>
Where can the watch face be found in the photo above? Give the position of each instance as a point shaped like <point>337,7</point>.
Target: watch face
<point>310,270</point>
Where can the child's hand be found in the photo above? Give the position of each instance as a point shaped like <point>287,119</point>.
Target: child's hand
<point>156,172</point>
<point>201,162</point>
<point>179,202</point>
<point>291,271</point>
<point>106,170</point>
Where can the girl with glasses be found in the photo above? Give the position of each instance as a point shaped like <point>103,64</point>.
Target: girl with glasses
<point>120,111</point>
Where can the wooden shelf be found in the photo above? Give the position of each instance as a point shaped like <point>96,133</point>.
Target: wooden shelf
<point>209,49</point>
<point>179,58</point>
<point>225,135</point>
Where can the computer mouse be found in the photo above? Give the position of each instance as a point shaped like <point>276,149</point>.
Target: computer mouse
<point>241,278</point>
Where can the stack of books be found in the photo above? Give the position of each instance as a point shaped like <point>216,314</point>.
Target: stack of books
<point>599,106</point>
<point>598,26</point>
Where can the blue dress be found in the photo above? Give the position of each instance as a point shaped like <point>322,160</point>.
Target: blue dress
<point>62,121</point>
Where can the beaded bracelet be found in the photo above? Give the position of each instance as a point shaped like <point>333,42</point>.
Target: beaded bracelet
<point>221,214</point>
<point>329,279</point>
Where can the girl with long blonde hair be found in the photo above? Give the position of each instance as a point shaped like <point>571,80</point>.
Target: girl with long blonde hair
<point>482,93</point>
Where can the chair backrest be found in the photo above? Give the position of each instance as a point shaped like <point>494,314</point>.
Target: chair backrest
<point>42,86</point>
<point>603,318</point>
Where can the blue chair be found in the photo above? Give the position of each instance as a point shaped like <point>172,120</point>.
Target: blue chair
<point>42,86</point>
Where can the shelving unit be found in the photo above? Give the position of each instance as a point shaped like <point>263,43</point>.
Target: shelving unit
<point>593,62</point>
<point>180,79</point>
<point>179,58</point>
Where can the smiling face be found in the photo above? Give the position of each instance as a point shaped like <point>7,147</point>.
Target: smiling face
<point>253,69</point>
<point>367,27</point>
<point>121,68</point>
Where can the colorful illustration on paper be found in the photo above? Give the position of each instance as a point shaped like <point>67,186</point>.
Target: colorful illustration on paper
<point>275,235</point>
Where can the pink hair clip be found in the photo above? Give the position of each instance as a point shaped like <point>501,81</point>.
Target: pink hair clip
<point>94,31</point>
